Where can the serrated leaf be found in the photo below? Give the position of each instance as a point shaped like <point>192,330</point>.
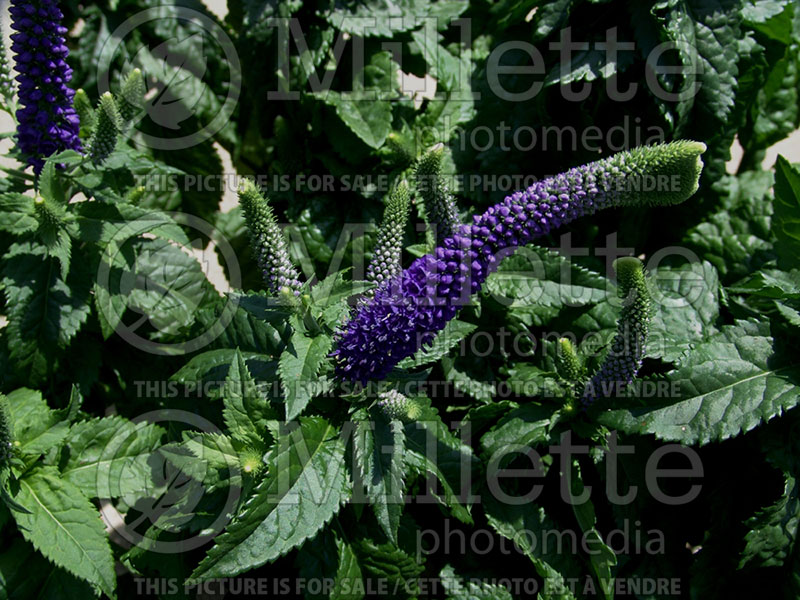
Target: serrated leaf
<point>16,213</point>
<point>179,64</point>
<point>49,184</point>
<point>451,72</point>
<point>306,484</point>
<point>525,524</point>
<point>370,120</point>
<point>775,113</point>
<point>24,573</point>
<point>330,557</point>
<point>786,220</point>
<point>161,282</point>
<point>763,10</point>
<point>335,288</point>
<point>379,447</point>
<point>298,368</point>
<point>728,385</point>
<point>601,556</point>
<point>114,223</point>
<point>705,33</point>
<point>774,531</point>
<point>445,340</point>
<point>470,588</point>
<point>432,448</point>
<point>792,315</point>
<point>347,574</point>
<point>64,526</point>
<point>538,276</point>
<point>388,562</point>
<point>525,379</point>
<point>44,311</point>
<point>524,427</point>
<point>481,416</point>
<point>257,325</point>
<point>549,17</point>
<point>589,65</point>
<point>58,244</point>
<point>214,365</point>
<point>245,410</point>
<point>769,283</point>
<point>109,457</point>
<point>417,250</point>
<point>737,239</point>
<point>377,17</point>
<point>365,114</point>
<point>67,157</point>
<point>36,427</point>
<point>686,301</point>
<point>465,382</point>
<point>330,297</point>
<point>209,458</point>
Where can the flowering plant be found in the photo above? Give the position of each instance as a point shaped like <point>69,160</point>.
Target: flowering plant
<point>399,299</point>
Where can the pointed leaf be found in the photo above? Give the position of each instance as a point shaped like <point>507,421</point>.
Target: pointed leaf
<point>64,526</point>
<point>379,447</point>
<point>109,457</point>
<point>44,311</point>
<point>432,448</point>
<point>36,427</point>
<point>728,385</point>
<point>298,367</point>
<point>16,213</point>
<point>305,487</point>
<point>245,409</point>
<point>445,340</point>
<point>786,220</point>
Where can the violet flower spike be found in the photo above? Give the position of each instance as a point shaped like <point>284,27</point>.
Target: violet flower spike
<point>407,312</point>
<point>47,121</point>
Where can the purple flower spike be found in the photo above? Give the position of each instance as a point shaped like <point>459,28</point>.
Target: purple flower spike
<point>47,121</point>
<point>407,312</point>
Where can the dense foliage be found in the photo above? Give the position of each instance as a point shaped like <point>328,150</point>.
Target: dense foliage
<point>429,354</point>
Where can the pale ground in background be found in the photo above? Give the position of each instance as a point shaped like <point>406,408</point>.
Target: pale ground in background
<point>789,148</point>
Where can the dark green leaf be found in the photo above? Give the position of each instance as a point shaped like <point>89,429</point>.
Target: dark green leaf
<point>379,447</point>
<point>64,526</point>
<point>786,221</point>
<point>728,385</point>
<point>306,484</point>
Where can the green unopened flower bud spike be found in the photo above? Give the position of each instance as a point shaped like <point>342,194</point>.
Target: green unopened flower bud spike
<point>6,434</point>
<point>386,260</point>
<point>131,96</point>
<point>49,214</point>
<point>400,150</point>
<point>108,125</point>
<point>269,246</point>
<point>6,80</point>
<point>397,407</point>
<point>135,194</point>
<point>83,106</point>
<point>627,351</point>
<point>440,208</point>
<point>568,363</point>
